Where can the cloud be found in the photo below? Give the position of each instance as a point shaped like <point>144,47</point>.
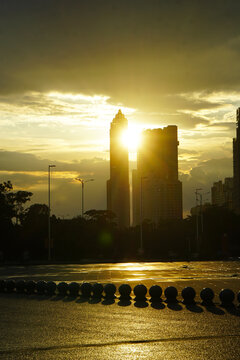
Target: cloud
<point>26,171</point>
<point>132,51</point>
<point>202,176</point>
<point>66,67</point>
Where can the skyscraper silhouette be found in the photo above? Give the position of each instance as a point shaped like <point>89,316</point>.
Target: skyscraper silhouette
<point>157,192</point>
<point>118,198</point>
<point>236,166</point>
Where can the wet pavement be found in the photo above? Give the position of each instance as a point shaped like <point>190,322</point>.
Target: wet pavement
<point>41,327</point>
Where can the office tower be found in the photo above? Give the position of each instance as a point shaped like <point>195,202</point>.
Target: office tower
<point>157,192</point>
<point>222,193</point>
<point>236,166</point>
<point>118,198</point>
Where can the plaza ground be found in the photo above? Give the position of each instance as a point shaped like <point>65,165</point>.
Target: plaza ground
<point>41,327</point>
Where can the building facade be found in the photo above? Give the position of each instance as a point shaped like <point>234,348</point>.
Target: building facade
<point>156,190</point>
<point>222,193</point>
<point>236,166</point>
<point>118,197</point>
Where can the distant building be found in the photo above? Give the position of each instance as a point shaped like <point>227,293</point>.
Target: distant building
<point>156,190</point>
<point>199,209</point>
<point>236,166</point>
<point>222,193</point>
<point>118,197</point>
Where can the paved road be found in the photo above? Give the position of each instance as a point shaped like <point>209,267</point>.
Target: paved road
<point>38,327</point>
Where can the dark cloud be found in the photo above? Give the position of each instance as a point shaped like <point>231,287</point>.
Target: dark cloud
<point>67,193</point>
<point>203,176</point>
<point>135,51</point>
<point>148,55</point>
<point>22,170</point>
<point>227,125</point>
<point>182,151</point>
<point>19,161</point>
<point>182,120</point>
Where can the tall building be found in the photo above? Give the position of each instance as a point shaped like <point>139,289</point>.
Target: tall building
<point>222,193</point>
<point>118,198</point>
<point>236,166</point>
<point>157,192</point>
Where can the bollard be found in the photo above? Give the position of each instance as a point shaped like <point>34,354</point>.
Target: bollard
<point>226,296</point>
<point>155,292</point>
<point>62,288</point>
<point>125,291</point>
<point>97,290</point>
<point>30,287</point>
<point>86,289</point>
<point>10,285</point>
<point>238,297</point>
<point>51,288</point>
<point>171,294</point>
<point>110,290</point>
<point>188,294</point>
<point>20,286</point>
<point>140,292</point>
<point>41,287</point>
<point>2,285</point>
<point>207,296</point>
<point>74,288</point>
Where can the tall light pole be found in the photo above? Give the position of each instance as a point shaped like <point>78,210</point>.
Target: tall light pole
<point>141,214</point>
<point>197,227</point>
<point>82,181</point>
<point>49,211</point>
<point>201,203</point>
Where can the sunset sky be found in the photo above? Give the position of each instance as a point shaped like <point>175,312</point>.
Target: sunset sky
<point>67,66</point>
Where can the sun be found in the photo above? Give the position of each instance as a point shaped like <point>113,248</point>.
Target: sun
<point>131,138</point>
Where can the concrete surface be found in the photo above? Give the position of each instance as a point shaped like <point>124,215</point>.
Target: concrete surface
<point>41,327</point>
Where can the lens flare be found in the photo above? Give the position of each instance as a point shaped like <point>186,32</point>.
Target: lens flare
<point>131,138</point>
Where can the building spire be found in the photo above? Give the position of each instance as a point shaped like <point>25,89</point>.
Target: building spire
<point>238,116</point>
<point>120,118</point>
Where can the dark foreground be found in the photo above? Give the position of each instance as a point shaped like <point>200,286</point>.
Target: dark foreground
<point>41,327</point>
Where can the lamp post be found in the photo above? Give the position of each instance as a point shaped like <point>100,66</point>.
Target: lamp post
<point>82,181</point>
<point>201,203</point>
<point>197,227</point>
<point>49,211</point>
<point>141,214</point>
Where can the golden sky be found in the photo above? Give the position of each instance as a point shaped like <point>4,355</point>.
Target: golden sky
<point>67,66</point>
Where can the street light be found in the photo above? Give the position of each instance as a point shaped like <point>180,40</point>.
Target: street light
<point>82,181</point>
<point>141,214</point>
<point>49,212</point>
<point>197,229</point>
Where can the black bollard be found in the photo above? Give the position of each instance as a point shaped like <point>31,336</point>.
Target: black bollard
<point>86,289</point>
<point>2,285</point>
<point>238,299</point>
<point>62,288</point>
<point>110,290</point>
<point>31,287</point>
<point>51,288</point>
<point>207,296</point>
<point>10,286</point>
<point>125,291</point>
<point>155,292</point>
<point>188,294</point>
<point>140,292</point>
<point>226,296</point>
<point>74,288</point>
<point>41,287</point>
<point>97,290</point>
<point>20,286</point>
<point>171,294</point>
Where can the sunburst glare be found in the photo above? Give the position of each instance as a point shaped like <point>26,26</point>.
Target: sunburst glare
<point>131,138</point>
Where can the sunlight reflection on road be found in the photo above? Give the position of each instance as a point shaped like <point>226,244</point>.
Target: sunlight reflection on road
<point>158,271</point>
